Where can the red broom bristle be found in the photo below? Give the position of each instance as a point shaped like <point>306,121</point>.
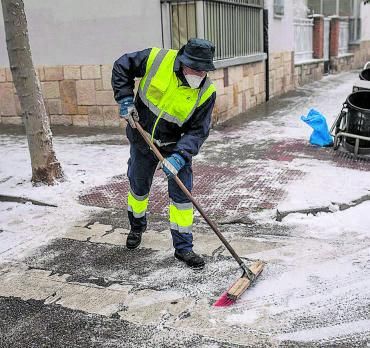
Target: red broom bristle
<point>224,301</point>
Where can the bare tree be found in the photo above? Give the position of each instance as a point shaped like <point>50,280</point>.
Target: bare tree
<point>45,166</point>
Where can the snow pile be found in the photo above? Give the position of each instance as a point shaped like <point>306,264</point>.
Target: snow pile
<point>24,226</point>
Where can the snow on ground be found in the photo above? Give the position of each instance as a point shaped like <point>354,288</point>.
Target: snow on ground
<point>320,274</point>
<point>326,96</point>
<point>85,163</point>
<point>328,259</point>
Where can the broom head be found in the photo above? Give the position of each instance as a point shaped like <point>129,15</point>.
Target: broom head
<point>237,289</point>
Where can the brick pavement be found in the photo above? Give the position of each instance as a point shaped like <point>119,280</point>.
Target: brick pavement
<point>222,189</point>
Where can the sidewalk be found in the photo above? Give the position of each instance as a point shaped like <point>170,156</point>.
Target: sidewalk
<point>314,291</point>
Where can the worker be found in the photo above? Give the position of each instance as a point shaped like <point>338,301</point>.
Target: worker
<point>174,105</point>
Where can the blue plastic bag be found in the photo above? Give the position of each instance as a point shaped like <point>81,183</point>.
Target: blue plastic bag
<point>320,135</point>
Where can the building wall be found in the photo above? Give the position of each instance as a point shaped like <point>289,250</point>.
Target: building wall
<point>75,73</point>
<point>365,15</point>
<point>78,95</point>
<point>308,72</point>
<point>87,31</point>
<point>82,95</point>
<point>281,27</point>
<point>239,88</point>
<point>74,45</point>
<point>281,72</point>
<point>281,64</point>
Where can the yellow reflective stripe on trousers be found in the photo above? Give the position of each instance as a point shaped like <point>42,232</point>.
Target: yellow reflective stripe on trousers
<point>137,204</point>
<point>181,217</point>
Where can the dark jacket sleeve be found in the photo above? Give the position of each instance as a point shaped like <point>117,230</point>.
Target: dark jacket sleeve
<point>125,69</point>
<point>197,130</point>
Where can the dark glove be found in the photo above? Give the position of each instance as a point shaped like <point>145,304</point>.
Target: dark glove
<point>128,111</point>
<point>172,165</point>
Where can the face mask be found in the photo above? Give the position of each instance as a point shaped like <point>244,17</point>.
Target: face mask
<point>194,81</point>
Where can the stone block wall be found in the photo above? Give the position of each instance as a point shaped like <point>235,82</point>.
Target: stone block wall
<point>342,63</point>
<point>358,55</point>
<point>308,72</point>
<point>239,88</point>
<point>74,95</point>
<point>281,73</point>
<point>361,54</point>
<point>82,95</point>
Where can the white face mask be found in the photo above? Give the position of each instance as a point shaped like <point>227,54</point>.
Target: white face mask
<point>194,81</point>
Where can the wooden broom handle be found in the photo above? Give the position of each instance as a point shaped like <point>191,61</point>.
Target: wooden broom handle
<point>191,198</point>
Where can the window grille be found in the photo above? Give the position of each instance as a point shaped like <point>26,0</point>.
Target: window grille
<point>329,7</point>
<point>183,23</point>
<point>343,8</point>
<point>303,36</point>
<point>343,37</point>
<point>314,6</point>
<point>234,26</point>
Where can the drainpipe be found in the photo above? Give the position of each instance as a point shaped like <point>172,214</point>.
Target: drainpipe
<point>266,50</point>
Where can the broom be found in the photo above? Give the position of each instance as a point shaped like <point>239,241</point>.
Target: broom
<point>249,274</point>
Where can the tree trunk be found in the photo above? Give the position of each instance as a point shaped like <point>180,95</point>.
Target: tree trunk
<point>45,166</point>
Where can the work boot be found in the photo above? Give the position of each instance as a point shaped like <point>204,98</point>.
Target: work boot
<point>191,259</point>
<point>134,238</point>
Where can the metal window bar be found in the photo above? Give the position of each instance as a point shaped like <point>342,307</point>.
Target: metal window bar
<point>354,29</point>
<point>303,33</point>
<point>343,37</point>
<point>235,26</point>
<point>182,22</point>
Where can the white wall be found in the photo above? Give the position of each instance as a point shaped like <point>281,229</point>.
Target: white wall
<point>365,17</point>
<point>281,33</point>
<point>87,31</point>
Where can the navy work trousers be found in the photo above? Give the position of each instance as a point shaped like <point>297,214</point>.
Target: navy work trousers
<point>141,168</point>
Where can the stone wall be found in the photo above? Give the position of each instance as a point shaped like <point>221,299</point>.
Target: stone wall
<point>308,72</point>
<point>361,53</point>
<point>281,73</point>
<point>82,95</point>
<point>74,95</point>
<point>358,55</point>
<point>341,63</point>
<point>239,88</point>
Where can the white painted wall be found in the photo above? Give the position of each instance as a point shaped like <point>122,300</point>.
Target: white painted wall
<point>87,31</point>
<point>281,31</point>
<point>365,17</point>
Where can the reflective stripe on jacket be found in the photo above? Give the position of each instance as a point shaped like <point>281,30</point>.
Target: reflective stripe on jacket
<point>163,95</point>
<point>170,111</point>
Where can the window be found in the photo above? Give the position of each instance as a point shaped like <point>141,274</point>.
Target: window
<point>355,23</point>
<point>279,7</point>
<point>236,30</point>
<point>314,6</point>
<point>329,7</point>
<point>183,21</point>
<point>342,8</point>
<point>345,8</point>
<point>234,26</point>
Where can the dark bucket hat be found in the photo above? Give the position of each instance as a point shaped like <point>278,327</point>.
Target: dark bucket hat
<point>198,54</point>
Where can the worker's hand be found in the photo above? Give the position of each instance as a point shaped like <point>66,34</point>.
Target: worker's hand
<point>172,165</point>
<point>128,111</point>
